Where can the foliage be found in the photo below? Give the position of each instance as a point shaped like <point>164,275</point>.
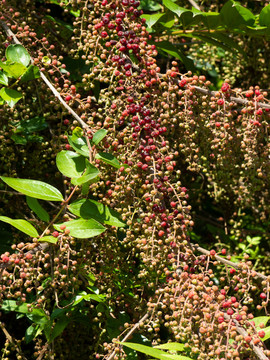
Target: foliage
<point>134,213</point>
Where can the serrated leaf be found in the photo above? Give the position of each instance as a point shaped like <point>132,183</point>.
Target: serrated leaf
<point>152,19</point>
<point>109,159</point>
<point>21,225</point>
<point>17,53</point>
<point>34,188</point>
<point>79,144</point>
<point>31,73</point>
<point>176,9</point>
<point>12,69</point>
<point>171,346</point>
<point>49,239</point>
<point>156,353</point>
<point>10,96</point>
<point>264,18</point>
<point>70,163</point>
<point>90,174</point>
<point>37,209</point>
<point>82,228</point>
<point>3,78</point>
<point>235,15</point>
<point>91,209</point>
<point>98,136</point>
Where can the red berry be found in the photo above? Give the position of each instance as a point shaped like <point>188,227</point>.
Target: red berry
<point>261,334</point>
<point>68,98</point>
<point>55,234</point>
<point>263,296</point>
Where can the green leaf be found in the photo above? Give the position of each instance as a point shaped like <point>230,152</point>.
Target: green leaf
<point>156,353</point>
<point>261,320</point>
<point>31,73</point>
<point>79,144</point>
<point>152,19</point>
<point>90,174</point>
<point>98,136</point>
<point>211,19</point>
<point>264,18</point>
<point>49,239</point>
<point>176,9</point>
<point>3,78</point>
<point>17,53</point>
<point>91,209</point>
<point>235,15</point>
<point>167,20</point>
<point>149,5</point>
<point>59,327</point>
<point>267,333</point>
<point>34,188</point>
<point>21,225</point>
<point>11,305</point>
<point>31,333</point>
<point>70,163</point>
<point>37,209</point>
<point>29,126</point>
<point>10,96</point>
<point>171,346</point>
<point>109,159</point>
<point>82,228</point>
<point>12,69</point>
<point>170,49</point>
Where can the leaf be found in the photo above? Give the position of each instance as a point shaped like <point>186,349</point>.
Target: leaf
<point>31,73</point>
<point>90,174</point>
<point>10,96</point>
<point>156,353</point>
<point>176,9</point>
<point>98,136</point>
<point>79,144</point>
<point>21,225</point>
<point>235,15</point>
<point>11,305</point>
<point>167,20</point>
<point>17,53</point>
<point>37,209</point>
<point>59,327</point>
<point>264,18</point>
<point>30,333</point>
<point>49,239</point>
<point>261,319</point>
<point>3,78</point>
<point>267,333</point>
<point>14,70</point>
<point>70,163</point>
<point>91,209</point>
<point>149,5</point>
<point>29,126</point>
<point>34,188</point>
<point>170,49</point>
<point>82,228</point>
<point>109,159</point>
<point>152,19</point>
<point>171,346</point>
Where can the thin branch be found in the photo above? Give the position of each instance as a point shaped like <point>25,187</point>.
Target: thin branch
<point>47,82</point>
<point>130,333</point>
<point>194,4</point>
<point>11,341</point>
<point>257,350</point>
<point>225,261</point>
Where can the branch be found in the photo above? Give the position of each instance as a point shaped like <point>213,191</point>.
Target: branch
<point>47,82</point>
<point>225,261</point>
<point>130,333</point>
<point>257,350</point>
<point>194,4</point>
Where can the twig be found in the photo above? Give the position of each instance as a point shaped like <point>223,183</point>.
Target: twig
<point>10,339</point>
<point>194,4</point>
<point>47,82</point>
<point>225,261</point>
<point>130,333</point>
<point>257,350</point>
